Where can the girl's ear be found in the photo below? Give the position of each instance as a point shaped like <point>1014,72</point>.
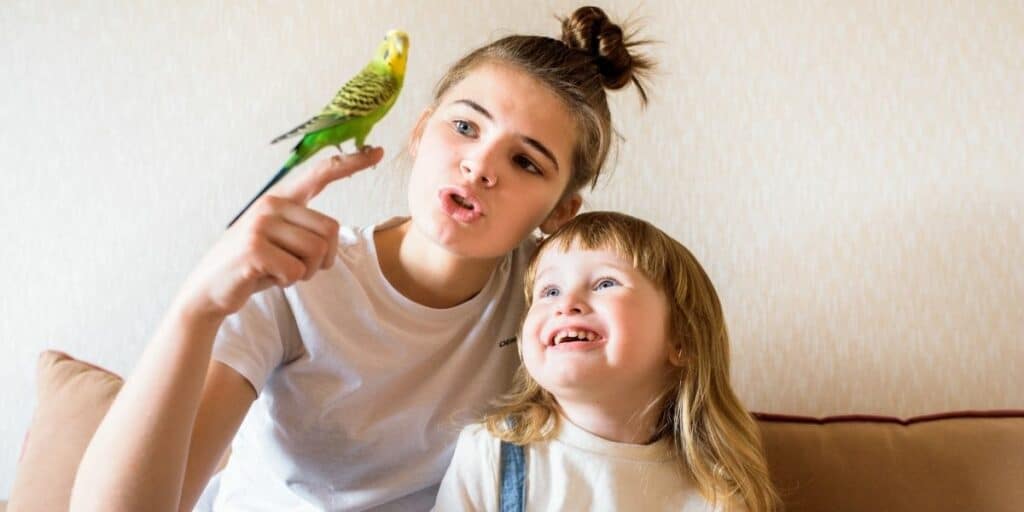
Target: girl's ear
<point>564,210</point>
<point>417,131</point>
<point>675,355</point>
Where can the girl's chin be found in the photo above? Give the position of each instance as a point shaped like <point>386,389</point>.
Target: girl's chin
<point>454,239</point>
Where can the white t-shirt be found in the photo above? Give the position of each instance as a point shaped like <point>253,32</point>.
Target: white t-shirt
<point>575,470</point>
<point>362,392</point>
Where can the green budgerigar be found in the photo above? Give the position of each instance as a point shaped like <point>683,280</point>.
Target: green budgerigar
<point>360,103</point>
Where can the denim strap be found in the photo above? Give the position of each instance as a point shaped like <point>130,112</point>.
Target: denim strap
<point>513,478</point>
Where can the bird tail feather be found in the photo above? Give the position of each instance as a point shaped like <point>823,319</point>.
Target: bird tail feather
<point>277,177</point>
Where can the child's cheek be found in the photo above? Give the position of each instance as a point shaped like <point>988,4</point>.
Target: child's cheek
<point>531,338</point>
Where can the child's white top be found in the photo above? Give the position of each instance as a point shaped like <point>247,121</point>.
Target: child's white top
<point>362,392</point>
<point>575,470</point>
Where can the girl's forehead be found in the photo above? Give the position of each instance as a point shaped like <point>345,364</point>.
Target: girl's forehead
<point>516,100</point>
<point>500,81</point>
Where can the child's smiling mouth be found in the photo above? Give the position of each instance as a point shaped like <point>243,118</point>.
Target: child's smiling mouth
<point>573,335</point>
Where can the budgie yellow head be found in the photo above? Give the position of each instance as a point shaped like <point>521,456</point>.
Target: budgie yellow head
<point>393,51</point>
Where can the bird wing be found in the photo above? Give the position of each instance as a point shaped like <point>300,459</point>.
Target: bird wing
<point>362,95</point>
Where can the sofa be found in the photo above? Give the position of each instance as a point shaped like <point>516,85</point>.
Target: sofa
<point>961,461</point>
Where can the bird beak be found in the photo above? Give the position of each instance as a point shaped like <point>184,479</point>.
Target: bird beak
<point>401,40</point>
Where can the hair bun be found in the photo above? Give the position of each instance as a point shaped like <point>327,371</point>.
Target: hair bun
<point>588,29</point>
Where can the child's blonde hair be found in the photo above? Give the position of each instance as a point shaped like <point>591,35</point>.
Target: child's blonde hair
<point>716,441</point>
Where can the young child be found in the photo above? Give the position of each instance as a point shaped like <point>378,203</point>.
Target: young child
<point>623,399</point>
<point>340,356</point>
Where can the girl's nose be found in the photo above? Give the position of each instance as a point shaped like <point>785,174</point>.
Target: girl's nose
<point>478,171</point>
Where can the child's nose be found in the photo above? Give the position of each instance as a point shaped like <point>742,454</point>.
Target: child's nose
<point>571,305</point>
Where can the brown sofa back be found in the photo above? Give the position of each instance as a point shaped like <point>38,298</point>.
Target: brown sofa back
<point>966,461</point>
<point>951,462</point>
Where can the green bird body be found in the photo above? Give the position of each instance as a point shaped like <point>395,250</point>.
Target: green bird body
<point>353,112</point>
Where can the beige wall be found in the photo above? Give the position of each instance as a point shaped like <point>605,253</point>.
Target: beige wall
<point>850,173</point>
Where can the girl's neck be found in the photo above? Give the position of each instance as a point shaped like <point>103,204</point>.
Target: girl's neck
<point>619,422</point>
<point>428,274</point>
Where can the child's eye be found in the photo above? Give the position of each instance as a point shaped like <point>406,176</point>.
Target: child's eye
<point>527,164</point>
<point>605,283</point>
<point>463,127</point>
<point>549,291</point>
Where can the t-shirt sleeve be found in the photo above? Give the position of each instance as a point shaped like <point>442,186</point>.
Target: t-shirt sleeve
<point>471,482</point>
<point>258,338</point>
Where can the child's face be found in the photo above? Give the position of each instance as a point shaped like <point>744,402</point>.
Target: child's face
<point>491,162</point>
<point>597,328</point>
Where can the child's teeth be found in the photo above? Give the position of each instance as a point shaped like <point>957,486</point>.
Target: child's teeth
<point>574,334</point>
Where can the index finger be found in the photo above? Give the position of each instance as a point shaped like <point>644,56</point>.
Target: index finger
<point>303,189</point>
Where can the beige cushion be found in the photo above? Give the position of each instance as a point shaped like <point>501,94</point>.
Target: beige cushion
<point>949,462</point>
<point>72,398</point>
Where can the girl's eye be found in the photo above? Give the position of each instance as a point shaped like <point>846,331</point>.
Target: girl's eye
<point>549,291</point>
<point>527,164</point>
<point>606,283</point>
<point>463,127</point>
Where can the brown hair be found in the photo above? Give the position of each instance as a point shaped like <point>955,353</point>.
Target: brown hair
<point>592,55</point>
<point>715,440</point>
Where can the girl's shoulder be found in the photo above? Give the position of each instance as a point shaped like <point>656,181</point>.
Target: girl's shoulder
<point>352,235</point>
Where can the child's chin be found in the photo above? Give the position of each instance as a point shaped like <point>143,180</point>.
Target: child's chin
<point>571,382</point>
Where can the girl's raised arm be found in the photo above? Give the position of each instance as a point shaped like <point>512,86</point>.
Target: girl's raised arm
<point>175,415</point>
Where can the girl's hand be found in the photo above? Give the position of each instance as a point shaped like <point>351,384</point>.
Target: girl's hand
<point>278,241</point>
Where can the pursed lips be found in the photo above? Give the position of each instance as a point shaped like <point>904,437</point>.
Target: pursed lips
<point>460,204</point>
<point>462,197</point>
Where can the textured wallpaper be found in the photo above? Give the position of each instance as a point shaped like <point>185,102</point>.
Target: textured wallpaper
<point>849,173</point>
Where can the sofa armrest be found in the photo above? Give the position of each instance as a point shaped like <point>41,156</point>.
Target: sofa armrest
<point>73,396</point>
<point>970,460</point>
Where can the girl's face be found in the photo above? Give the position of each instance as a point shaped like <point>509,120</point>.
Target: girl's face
<point>491,163</point>
<point>597,328</point>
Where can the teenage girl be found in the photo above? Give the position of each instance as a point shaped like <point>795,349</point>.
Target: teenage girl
<point>332,359</point>
<point>623,400</point>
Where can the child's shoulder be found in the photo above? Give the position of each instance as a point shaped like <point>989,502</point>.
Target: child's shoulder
<point>477,434</point>
<point>477,447</point>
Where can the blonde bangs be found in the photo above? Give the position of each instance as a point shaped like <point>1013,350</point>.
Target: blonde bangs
<point>650,250</point>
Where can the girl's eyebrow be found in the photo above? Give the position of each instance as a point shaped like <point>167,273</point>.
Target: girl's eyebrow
<point>536,144</point>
